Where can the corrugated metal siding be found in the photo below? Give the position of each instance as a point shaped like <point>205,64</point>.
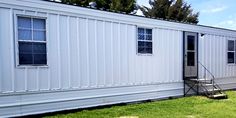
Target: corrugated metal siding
<point>213,54</point>
<point>90,53</point>
<point>90,49</point>
<point>7,51</point>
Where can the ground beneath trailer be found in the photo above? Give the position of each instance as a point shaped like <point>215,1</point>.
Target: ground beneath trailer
<point>189,107</point>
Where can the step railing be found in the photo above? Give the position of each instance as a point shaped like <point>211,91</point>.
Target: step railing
<point>212,79</point>
<point>209,91</point>
<point>206,71</point>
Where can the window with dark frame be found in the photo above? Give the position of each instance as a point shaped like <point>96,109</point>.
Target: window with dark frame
<point>231,52</point>
<point>31,41</point>
<point>144,41</point>
<point>191,50</point>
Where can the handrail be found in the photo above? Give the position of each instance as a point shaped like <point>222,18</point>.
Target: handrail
<point>218,87</point>
<point>213,77</point>
<point>206,70</point>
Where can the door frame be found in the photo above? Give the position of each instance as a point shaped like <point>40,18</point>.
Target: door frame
<point>197,51</point>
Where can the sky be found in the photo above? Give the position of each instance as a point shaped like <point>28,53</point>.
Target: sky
<point>217,13</point>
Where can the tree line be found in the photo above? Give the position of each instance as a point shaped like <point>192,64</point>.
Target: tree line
<point>126,6</point>
<point>177,10</point>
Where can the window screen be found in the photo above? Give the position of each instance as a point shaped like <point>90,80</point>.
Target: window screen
<point>144,41</point>
<point>31,41</point>
<point>231,51</point>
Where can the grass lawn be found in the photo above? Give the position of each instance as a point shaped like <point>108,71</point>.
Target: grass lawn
<point>188,107</point>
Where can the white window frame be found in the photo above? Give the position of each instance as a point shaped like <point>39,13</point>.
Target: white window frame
<point>16,15</point>
<point>137,40</point>
<point>231,51</point>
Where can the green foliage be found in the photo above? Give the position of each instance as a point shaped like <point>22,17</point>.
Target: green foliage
<point>103,3</point>
<point>188,107</point>
<point>126,6</point>
<point>159,9</point>
<point>77,2</point>
<point>170,9</point>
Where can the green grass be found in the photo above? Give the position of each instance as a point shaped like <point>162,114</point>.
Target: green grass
<point>188,107</point>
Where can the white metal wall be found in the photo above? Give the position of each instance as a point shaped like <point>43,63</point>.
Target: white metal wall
<point>213,54</point>
<point>93,60</point>
<point>6,51</point>
<point>89,53</point>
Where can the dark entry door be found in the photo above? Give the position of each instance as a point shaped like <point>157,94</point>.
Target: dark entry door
<point>190,54</point>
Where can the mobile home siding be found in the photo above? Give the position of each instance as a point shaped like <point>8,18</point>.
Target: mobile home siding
<point>213,55</point>
<point>88,53</point>
<point>92,59</point>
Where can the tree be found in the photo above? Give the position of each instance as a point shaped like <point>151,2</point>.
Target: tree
<point>126,6</point>
<point>159,9</point>
<point>171,9</point>
<point>102,3</point>
<point>77,2</point>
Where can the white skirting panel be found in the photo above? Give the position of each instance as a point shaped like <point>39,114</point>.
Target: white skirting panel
<point>227,83</point>
<point>35,103</point>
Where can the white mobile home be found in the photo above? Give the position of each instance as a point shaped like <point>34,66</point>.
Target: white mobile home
<point>57,57</point>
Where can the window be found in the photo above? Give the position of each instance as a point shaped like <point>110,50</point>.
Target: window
<point>31,41</point>
<point>144,41</point>
<point>191,50</point>
<point>231,51</point>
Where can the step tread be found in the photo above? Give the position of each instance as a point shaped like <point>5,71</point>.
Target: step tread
<point>201,80</point>
<point>204,79</point>
<point>208,84</point>
<point>212,89</point>
<point>222,95</point>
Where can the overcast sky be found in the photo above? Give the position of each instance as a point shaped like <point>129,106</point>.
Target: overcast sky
<point>219,13</point>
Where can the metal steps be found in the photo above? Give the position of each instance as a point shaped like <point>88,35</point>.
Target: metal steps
<point>213,90</point>
<point>206,81</point>
<point>208,84</point>
<point>205,85</point>
<point>219,96</point>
